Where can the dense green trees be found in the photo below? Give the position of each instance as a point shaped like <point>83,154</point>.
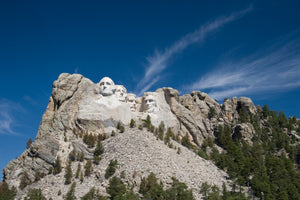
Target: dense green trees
<point>151,189</point>
<point>178,191</point>
<point>263,166</point>
<point>212,192</point>
<point>7,193</point>
<point>35,194</point>
<point>93,195</point>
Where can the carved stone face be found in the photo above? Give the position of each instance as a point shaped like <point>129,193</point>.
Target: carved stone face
<point>107,87</point>
<point>121,93</point>
<point>131,100</point>
<point>150,103</point>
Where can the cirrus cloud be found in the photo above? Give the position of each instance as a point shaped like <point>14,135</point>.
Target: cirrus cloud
<point>274,68</point>
<point>160,60</point>
<point>8,109</point>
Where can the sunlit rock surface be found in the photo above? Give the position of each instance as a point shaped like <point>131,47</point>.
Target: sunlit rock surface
<point>77,105</point>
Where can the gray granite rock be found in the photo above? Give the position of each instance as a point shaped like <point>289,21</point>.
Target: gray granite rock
<point>77,107</point>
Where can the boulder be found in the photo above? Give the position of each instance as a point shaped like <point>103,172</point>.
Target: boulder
<point>244,131</point>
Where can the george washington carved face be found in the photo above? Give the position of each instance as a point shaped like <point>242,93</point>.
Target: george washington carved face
<point>107,86</point>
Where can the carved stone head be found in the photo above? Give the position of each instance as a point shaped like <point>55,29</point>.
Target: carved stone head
<point>150,103</point>
<point>121,93</point>
<point>131,100</point>
<point>107,86</point>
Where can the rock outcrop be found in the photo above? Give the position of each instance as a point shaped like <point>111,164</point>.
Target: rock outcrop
<point>79,106</point>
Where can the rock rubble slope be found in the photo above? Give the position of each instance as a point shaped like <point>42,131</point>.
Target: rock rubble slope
<point>139,153</point>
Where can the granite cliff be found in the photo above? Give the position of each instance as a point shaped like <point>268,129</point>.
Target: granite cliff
<point>79,108</point>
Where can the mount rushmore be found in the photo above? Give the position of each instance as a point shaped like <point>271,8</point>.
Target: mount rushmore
<point>111,103</point>
<point>78,105</point>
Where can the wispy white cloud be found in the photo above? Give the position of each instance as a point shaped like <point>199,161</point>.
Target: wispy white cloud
<point>159,61</point>
<point>7,119</point>
<point>275,68</point>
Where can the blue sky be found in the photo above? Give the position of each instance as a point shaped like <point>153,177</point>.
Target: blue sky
<point>223,48</point>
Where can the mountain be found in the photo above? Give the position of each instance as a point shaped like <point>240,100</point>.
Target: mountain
<point>94,137</point>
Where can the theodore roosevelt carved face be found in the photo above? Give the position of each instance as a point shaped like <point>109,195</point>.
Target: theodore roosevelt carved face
<point>107,86</point>
<point>131,100</point>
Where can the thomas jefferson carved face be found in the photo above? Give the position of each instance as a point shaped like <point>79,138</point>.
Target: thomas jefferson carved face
<point>150,103</point>
<point>107,87</point>
<point>131,100</point>
<point>121,93</point>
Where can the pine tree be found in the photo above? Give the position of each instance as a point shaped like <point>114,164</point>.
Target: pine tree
<point>57,166</point>
<point>80,156</point>
<point>81,177</point>
<point>72,155</point>
<point>88,168</point>
<point>119,125</point>
<point>78,170</point>
<point>205,188</point>
<point>68,174</point>
<point>265,111</point>
<point>186,142</point>
<point>99,149</point>
<point>116,188</point>
<point>122,129</point>
<point>111,169</point>
<point>71,193</point>
<point>282,120</point>
<point>212,112</point>
<point>147,122</point>
<point>132,123</point>
<point>244,115</point>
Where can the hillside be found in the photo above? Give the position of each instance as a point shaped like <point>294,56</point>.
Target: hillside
<point>183,140</point>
